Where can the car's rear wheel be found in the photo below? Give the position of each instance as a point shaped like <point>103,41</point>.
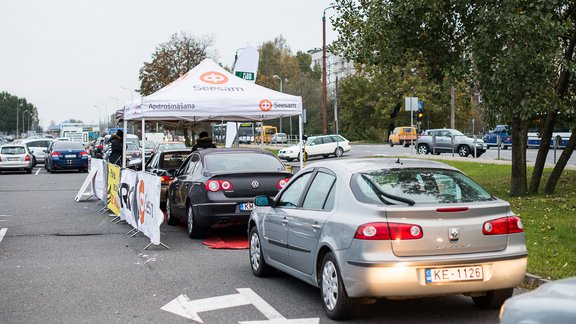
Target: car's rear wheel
<point>194,231</point>
<point>463,150</point>
<point>259,266</point>
<point>29,170</point>
<point>494,298</point>
<point>423,149</point>
<point>170,219</point>
<point>336,302</point>
<point>339,152</point>
<point>391,143</point>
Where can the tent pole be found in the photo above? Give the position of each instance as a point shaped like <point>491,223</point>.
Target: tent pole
<point>125,124</point>
<point>300,127</point>
<point>143,156</point>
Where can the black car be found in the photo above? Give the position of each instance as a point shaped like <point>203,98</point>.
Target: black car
<point>218,186</point>
<point>165,164</point>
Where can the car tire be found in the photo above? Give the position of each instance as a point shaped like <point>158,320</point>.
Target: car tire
<point>29,170</point>
<point>494,298</point>
<point>335,300</point>
<point>339,152</point>
<point>194,231</point>
<point>463,150</point>
<point>170,219</point>
<point>259,267</point>
<point>391,143</point>
<point>423,149</point>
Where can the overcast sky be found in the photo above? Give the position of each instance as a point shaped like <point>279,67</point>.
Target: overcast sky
<point>68,56</point>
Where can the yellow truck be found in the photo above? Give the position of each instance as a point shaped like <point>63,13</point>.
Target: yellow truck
<point>403,135</point>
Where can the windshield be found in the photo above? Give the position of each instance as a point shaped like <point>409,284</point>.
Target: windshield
<point>252,162</point>
<point>417,185</point>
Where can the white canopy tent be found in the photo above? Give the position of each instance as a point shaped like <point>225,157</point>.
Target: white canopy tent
<point>210,93</point>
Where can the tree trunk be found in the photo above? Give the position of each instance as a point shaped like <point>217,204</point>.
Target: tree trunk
<point>561,164</point>
<point>518,181</point>
<point>543,150</point>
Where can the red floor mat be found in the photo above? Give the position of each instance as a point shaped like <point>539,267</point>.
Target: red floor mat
<point>227,239</point>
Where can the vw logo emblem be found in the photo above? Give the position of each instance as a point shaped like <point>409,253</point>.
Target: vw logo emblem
<point>255,184</point>
<point>453,234</point>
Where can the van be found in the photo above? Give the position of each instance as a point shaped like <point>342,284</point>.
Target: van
<point>403,135</point>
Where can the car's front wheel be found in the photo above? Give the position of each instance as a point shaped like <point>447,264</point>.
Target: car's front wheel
<point>194,231</point>
<point>336,302</point>
<point>259,266</point>
<point>494,298</point>
<point>170,219</point>
<point>463,150</point>
<point>423,149</point>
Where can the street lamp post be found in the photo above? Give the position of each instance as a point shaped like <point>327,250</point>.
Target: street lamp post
<point>279,78</point>
<point>324,95</point>
<point>17,111</point>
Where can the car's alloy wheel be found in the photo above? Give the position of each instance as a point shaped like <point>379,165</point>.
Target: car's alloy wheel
<point>259,266</point>
<point>463,151</point>
<point>193,230</point>
<point>339,152</point>
<point>423,149</point>
<point>169,219</point>
<point>336,302</point>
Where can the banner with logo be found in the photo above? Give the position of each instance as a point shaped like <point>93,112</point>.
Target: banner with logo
<point>209,92</point>
<point>127,197</point>
<point>113,181</point>
<point>99,187</point>
<point>150,217</point>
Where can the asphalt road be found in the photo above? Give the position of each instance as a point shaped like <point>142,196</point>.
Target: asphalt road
<point>64,262</point>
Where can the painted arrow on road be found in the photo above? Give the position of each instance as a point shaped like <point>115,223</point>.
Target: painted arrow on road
<point>183,306</point>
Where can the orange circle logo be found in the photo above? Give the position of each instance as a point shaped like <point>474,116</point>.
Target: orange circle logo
<point>141,201</point>
<point>213,77</point>
<point>265,105</point>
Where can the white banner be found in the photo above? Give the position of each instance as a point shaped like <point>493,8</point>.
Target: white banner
<point>99,185</point>
<point>127,197</point>
<point>150,217</point>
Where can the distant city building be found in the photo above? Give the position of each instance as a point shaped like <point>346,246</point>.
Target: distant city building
<point>336,66</point>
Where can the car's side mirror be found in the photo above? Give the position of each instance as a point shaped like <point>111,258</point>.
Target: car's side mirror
<point>262,201</point>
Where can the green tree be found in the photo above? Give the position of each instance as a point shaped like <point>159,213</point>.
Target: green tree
<point>172,60</point>
<point>14,109</point>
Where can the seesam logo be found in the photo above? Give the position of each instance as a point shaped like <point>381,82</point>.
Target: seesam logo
<point>267,105</point>
<point>216,80</point>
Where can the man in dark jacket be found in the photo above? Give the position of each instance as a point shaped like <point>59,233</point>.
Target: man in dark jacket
<point>203,142</point>
<point>116,144</point>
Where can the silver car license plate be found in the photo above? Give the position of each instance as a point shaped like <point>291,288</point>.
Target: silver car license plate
<point>247,206</point>
<point>434,275</point>
<point>70,156</point>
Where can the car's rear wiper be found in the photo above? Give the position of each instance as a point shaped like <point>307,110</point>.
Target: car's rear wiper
<point>387,195</point>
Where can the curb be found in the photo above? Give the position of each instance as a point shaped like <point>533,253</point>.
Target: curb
<point>533,281</point>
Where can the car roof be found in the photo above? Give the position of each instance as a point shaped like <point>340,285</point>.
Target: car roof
<point>365,164</point>
<point>187,150</point>
<point>211,151</point>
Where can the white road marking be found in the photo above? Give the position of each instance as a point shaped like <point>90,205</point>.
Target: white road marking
<point>2,233</point>
<point>183,306</point>
<point>37,171</point>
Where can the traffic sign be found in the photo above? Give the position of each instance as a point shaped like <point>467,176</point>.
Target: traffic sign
<point>411,103</point>
<point>245,75</point>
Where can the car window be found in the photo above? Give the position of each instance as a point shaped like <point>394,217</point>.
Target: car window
<point>291,196</point>
<point>13,150</point>
<point>319,191</point>
<point>250,162</point>
<point>131,147</point>
<point>328,139</point>
<point>419,185</point>
<point>171,160</point>
<point>192,164</point>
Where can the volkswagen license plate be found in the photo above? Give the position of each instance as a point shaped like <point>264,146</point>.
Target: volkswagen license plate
<point>70,156</point>
<point>247,206</point>
<point>454,274</point>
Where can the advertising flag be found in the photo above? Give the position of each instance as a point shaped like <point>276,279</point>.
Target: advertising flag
<point>150,217</point>
<point>127,197</point>
<point>113,181</point>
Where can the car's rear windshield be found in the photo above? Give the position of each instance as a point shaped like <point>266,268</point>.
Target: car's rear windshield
<point>68,146</point>
<point>13,150</point>
<point>251,162</point>
<point>172,160</point>
<point>418,185</point>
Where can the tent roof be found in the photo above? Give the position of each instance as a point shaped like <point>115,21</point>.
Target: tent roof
<point>210,93</point>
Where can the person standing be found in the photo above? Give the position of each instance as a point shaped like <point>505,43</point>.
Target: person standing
<point>203,142</point>
<point>117,145</point>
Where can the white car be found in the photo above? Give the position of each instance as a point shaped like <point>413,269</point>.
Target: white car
<point>321,145</point>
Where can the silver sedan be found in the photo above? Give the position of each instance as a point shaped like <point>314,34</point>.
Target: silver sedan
<point>389,228</point>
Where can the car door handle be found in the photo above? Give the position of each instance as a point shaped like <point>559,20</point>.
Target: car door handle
<point>316,226</point>
<point>284,221</point>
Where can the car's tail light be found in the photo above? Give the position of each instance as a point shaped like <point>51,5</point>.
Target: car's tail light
<point>27,158</point>
<point>55,154</point>
<point>215,185</point>
<point>166,179</point>
<point>388,231</point>
<point>504,225</point>
<point>83,154</point>
<point>451,209</point>
<point>100,147</point>
<point>282,183</point>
